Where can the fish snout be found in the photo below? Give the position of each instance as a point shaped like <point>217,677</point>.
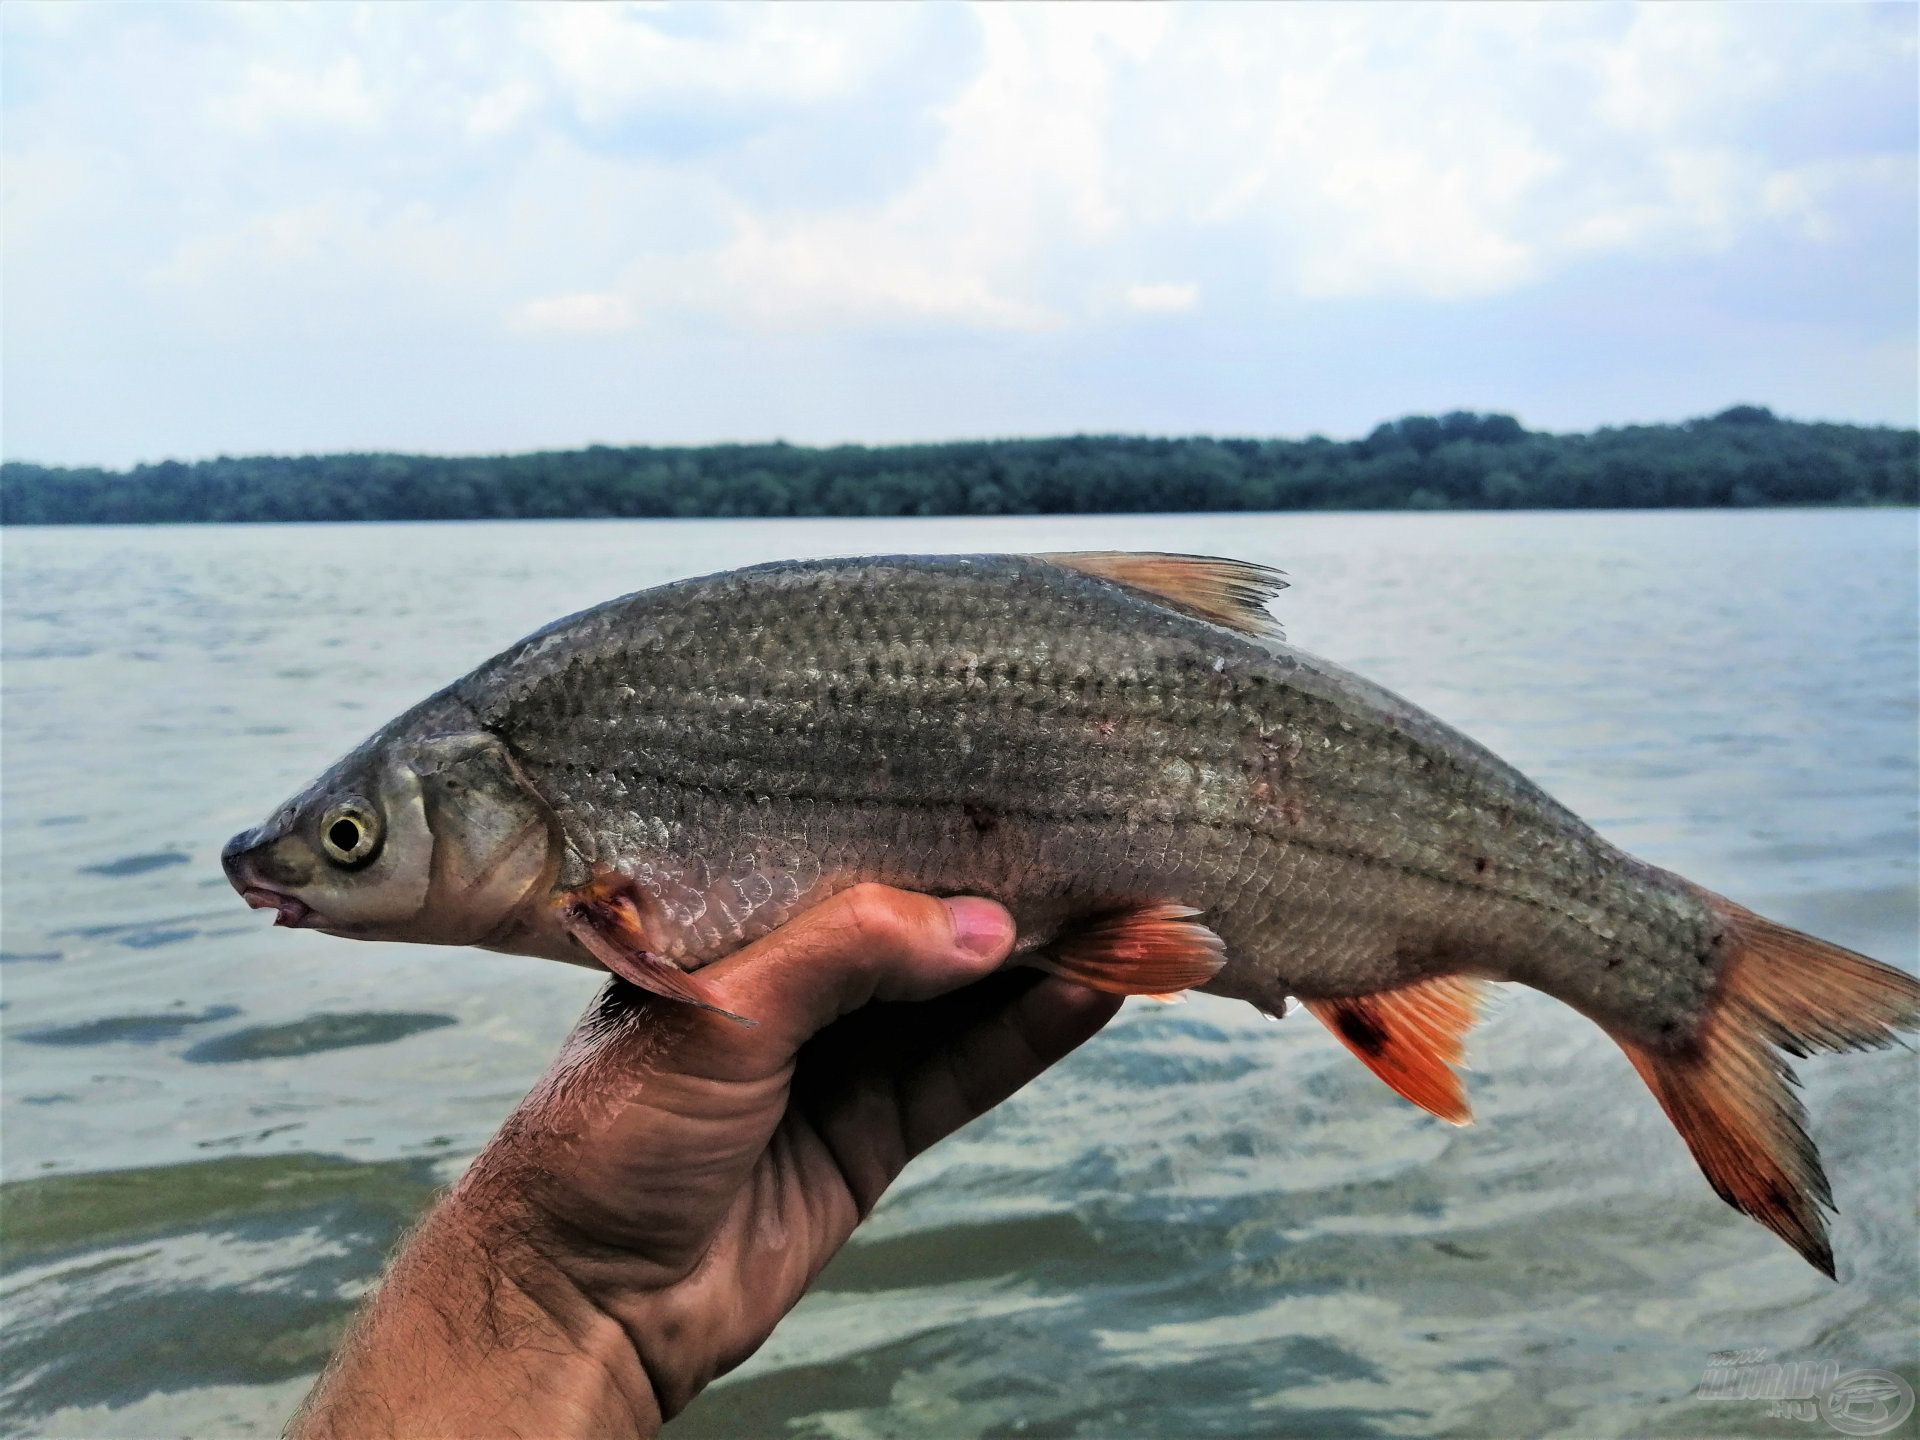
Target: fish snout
<point>244,858</point>
<point>233,855</point>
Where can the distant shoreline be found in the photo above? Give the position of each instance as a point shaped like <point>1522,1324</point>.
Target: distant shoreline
<point>1744,457</point>
<point>1845,507</point>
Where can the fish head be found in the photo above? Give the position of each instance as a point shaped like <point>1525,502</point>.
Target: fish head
<point>432,838</point>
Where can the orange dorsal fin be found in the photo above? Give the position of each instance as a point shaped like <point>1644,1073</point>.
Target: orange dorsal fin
<point>1158,950</point>
<point>1233,593</point>
<point>1411,1038</point>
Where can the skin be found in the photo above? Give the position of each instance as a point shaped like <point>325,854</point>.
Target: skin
<point>675,1182</point>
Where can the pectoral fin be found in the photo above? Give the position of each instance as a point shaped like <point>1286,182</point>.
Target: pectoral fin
<point>604,921</point>
<point>1158,950</point>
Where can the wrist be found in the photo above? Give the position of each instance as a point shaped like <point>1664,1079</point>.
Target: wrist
<point>477,1331</point>
<point>544,1308</point>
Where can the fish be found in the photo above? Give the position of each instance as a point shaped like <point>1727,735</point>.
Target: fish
<point>1124,750</point>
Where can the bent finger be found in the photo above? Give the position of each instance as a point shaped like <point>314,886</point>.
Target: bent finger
<point>868,943</point>
<point>883,1086</point>
<point>977,1068</point>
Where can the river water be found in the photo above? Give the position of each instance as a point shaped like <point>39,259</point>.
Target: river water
<point>1201,1224</point>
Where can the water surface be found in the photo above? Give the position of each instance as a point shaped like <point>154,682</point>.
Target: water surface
<point>1202,1224</point>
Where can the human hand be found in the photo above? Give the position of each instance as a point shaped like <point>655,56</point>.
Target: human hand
<point>675,1181</point>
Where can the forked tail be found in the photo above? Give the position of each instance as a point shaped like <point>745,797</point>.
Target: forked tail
<point>1729,1090</point>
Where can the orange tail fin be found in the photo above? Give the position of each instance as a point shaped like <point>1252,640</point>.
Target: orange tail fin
<point>1729,1091</point>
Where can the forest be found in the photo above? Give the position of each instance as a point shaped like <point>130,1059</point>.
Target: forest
<point>1743,456</point>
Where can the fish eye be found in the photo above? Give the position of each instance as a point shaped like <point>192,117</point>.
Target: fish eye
<point>348,834</point>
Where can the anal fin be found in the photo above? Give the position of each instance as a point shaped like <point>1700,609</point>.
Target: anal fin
<point>1159,950</point>
<point>603,920</point>
<point>1411,1038</point>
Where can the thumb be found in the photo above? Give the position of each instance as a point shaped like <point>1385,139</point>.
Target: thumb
<point>866,943</point>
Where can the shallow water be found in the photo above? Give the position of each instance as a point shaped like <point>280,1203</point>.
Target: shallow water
<point>1202,1224</point>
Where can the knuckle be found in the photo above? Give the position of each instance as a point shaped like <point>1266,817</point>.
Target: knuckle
<point>882,916</point>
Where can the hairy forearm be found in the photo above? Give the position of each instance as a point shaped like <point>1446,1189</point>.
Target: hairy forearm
<point>659,1201</point>
<point>473,1333</point>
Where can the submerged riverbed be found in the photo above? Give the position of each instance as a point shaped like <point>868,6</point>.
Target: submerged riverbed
<point>1201,1224</point>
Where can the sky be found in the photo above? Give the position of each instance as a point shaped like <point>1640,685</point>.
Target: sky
<point>273,228</point>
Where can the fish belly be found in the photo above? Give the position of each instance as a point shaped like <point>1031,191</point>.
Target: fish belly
<point>1296,919</point>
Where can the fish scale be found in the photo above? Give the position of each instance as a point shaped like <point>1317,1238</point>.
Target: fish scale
<point>1121,750</point>
<point>993,676</point>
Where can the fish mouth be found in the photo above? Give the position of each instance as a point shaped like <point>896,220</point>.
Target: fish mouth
<point>294,914</point>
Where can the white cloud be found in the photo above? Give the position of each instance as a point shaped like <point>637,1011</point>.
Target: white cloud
<point>271,95</point>
<point>500,109</point>
<point>587,313</point>
<point>1018,173</point>
<point>1814,198</point>
<point>1163,298</point>
<point>998,179</point>
<point>1433,153</point>
<point>843,271</point>
<point>612,60</point>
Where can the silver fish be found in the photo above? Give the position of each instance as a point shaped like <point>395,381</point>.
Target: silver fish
<point>1122,750</point>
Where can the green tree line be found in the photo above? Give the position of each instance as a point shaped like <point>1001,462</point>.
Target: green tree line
<point>1460,461</point>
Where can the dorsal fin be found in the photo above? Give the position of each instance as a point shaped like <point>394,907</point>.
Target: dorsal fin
<point>1232,593</point>
<point>1410,1038</point>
